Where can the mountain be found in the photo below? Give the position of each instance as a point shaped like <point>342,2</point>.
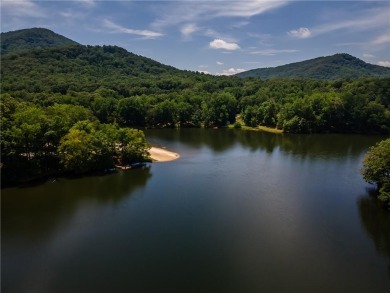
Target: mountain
<point>80,68</point>
<point>327,68</point>
<point>57,59</point>
<point>34,38</point>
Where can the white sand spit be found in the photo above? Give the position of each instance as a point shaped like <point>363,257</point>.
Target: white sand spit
<point>162,155</point>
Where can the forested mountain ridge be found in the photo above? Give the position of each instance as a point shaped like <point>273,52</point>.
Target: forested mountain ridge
<point>78,68</point>
<point>326,68</point>
<point>119,86</point>
<point>34,38</point>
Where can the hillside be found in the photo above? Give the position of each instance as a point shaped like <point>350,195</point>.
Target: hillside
<point>78,68</point>
<point>338,66</point>
<point>34,38</point>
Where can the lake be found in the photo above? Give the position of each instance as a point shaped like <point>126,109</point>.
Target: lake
<point>239,211</point>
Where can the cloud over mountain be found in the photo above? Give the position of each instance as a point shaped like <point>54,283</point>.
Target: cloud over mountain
<point>221,44</point>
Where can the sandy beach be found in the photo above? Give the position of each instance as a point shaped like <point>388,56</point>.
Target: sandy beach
<point>162,155</point>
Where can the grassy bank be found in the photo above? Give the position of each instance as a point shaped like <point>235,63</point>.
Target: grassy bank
<point>258,128</point>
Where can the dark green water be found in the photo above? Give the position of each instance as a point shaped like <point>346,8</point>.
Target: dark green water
<point>238,212</point>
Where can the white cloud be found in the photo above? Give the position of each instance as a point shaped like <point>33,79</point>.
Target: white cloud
<point>232,71</point>
<point>370,19</point>
<point>71,15</point>
<point>207,32</point>
<point>219,63</point>
<point>203,66</point>
<point>273,52</point>
<point>188,29</point>
<point>381,40</point>
<point>89,3</point>
<point>366,20</point>
<point>211,33</point>
<point>243,8</point>
<point>366,55</point>
<point>221,44</point>
<point>301,33</point>
<point>21,8</point>
<point>240,24</point>
<point>115,28</point>
<point>191,11</point>
<point>384,63</point>
<point>67,14</point>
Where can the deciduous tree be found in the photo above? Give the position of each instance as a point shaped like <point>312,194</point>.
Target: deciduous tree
<point>376,168</point>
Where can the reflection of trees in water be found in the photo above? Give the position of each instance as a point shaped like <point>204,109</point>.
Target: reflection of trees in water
<point>309,146</point>
<point>38,211</point>
<point>376,222</point>
<point>218,140</point>
<point>312,146</point>
<point>255,140</point>
<point>325,145</point>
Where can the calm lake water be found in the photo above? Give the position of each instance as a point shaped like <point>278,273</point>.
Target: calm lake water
<point>239,211</point>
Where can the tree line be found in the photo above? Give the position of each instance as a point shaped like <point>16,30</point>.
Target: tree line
<point>41,141</point>
<point>376,169</point>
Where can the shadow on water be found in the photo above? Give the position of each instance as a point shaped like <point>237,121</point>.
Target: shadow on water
<point>376,222</point>
<point>37,211</point>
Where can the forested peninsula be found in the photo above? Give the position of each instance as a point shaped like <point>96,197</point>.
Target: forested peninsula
<point>70,108</point>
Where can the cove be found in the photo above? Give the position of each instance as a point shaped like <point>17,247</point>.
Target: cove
<point>239,211</point>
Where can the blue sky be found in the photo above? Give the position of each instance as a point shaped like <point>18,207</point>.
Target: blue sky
<point>218,37</point>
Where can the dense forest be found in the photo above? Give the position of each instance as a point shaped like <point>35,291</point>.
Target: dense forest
<point>27,39</point>
<point>330,67</point>
<point>130,90</point>
<point>69,108</point>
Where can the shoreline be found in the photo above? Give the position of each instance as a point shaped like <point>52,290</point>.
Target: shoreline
<point>162,155</point>
<point>258,128</point>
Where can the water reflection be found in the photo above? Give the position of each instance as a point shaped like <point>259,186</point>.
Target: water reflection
<point>302,146</point>
<point>376,222</point>
<point>218,140</point>
<point>37,211</point>
<point>258,218</point>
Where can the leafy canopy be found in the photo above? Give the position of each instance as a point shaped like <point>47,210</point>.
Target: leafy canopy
<point>376,168</point>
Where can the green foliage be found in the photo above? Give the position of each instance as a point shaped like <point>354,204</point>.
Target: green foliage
<point>78,152</point>
<point>35,38</point>
<point>376,168</point>
<point>237,125</point>
<point>220,110</point>
<point>39,141</point>
<point>55,96</point>
<point>130,90</point>
<point>132,146</point>
<point>90,147</point>
<point>335,67</point>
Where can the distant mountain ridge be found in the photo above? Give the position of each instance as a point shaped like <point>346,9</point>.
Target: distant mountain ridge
<point>116,60</point>
<point>33,38</point>
<point>326,68</point>
<point>40,53</point>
